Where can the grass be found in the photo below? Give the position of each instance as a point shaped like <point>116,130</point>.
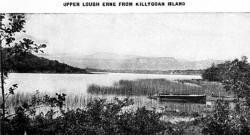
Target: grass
<point>146,87</point>
<point>72,101</point>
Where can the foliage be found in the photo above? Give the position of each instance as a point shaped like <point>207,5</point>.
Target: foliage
<point>212,73</point>
<point>237,78</point>
<point>98,117</point>
<point>23,119</point>
<point>10,25</point>
<point>226,121</point>
<point>216,72</point>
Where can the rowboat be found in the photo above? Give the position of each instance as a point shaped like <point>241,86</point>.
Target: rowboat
<point>182,98</point>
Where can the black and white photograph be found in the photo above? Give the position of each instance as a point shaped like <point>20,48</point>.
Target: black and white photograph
<point>125,73</point>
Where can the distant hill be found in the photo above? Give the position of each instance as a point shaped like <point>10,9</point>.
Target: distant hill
<point>29,63</point>
<point>111,61</point>
<point>104,55</point>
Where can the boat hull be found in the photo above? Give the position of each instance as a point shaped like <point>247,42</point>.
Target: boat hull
<point>201,99</point>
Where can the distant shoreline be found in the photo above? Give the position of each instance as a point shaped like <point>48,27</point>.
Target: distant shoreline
<point>167,72</point>
<point>99,73</point>
<point>105,71</point>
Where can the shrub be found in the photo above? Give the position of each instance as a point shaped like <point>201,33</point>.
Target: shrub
<point>226,121</point>
<point>99,117</point>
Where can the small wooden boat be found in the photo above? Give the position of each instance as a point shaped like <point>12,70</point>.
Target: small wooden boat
<point>183,98</point>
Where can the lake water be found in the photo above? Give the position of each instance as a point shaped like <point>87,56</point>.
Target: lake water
<point>76,83</point>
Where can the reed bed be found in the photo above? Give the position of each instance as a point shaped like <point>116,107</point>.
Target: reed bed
<point>146,87</point>
<point>81,100</point>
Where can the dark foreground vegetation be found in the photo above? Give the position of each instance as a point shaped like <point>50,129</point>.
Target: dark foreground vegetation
<point>102,117</point>
<point>99,117</point>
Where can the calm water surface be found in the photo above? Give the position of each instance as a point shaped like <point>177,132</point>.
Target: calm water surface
<point>76,83</point>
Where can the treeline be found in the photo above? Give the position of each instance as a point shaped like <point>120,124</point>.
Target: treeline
<point>29,63</point>
<point>221,72</point>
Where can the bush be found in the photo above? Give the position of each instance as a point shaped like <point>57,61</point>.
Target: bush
<point>226,121</point>
<point>99,117</point>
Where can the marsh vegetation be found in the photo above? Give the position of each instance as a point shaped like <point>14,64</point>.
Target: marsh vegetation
<point>146,87</point>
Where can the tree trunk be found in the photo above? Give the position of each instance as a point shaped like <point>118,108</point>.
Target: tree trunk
<point>2,79</point>
<point>2,88</point>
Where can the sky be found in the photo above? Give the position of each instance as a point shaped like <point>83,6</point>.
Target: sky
<point>190,36</point>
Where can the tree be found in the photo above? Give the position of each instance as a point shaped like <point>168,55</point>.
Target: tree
<point>237,78</point>
<point>212,73</point>
<point>10,25</point>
